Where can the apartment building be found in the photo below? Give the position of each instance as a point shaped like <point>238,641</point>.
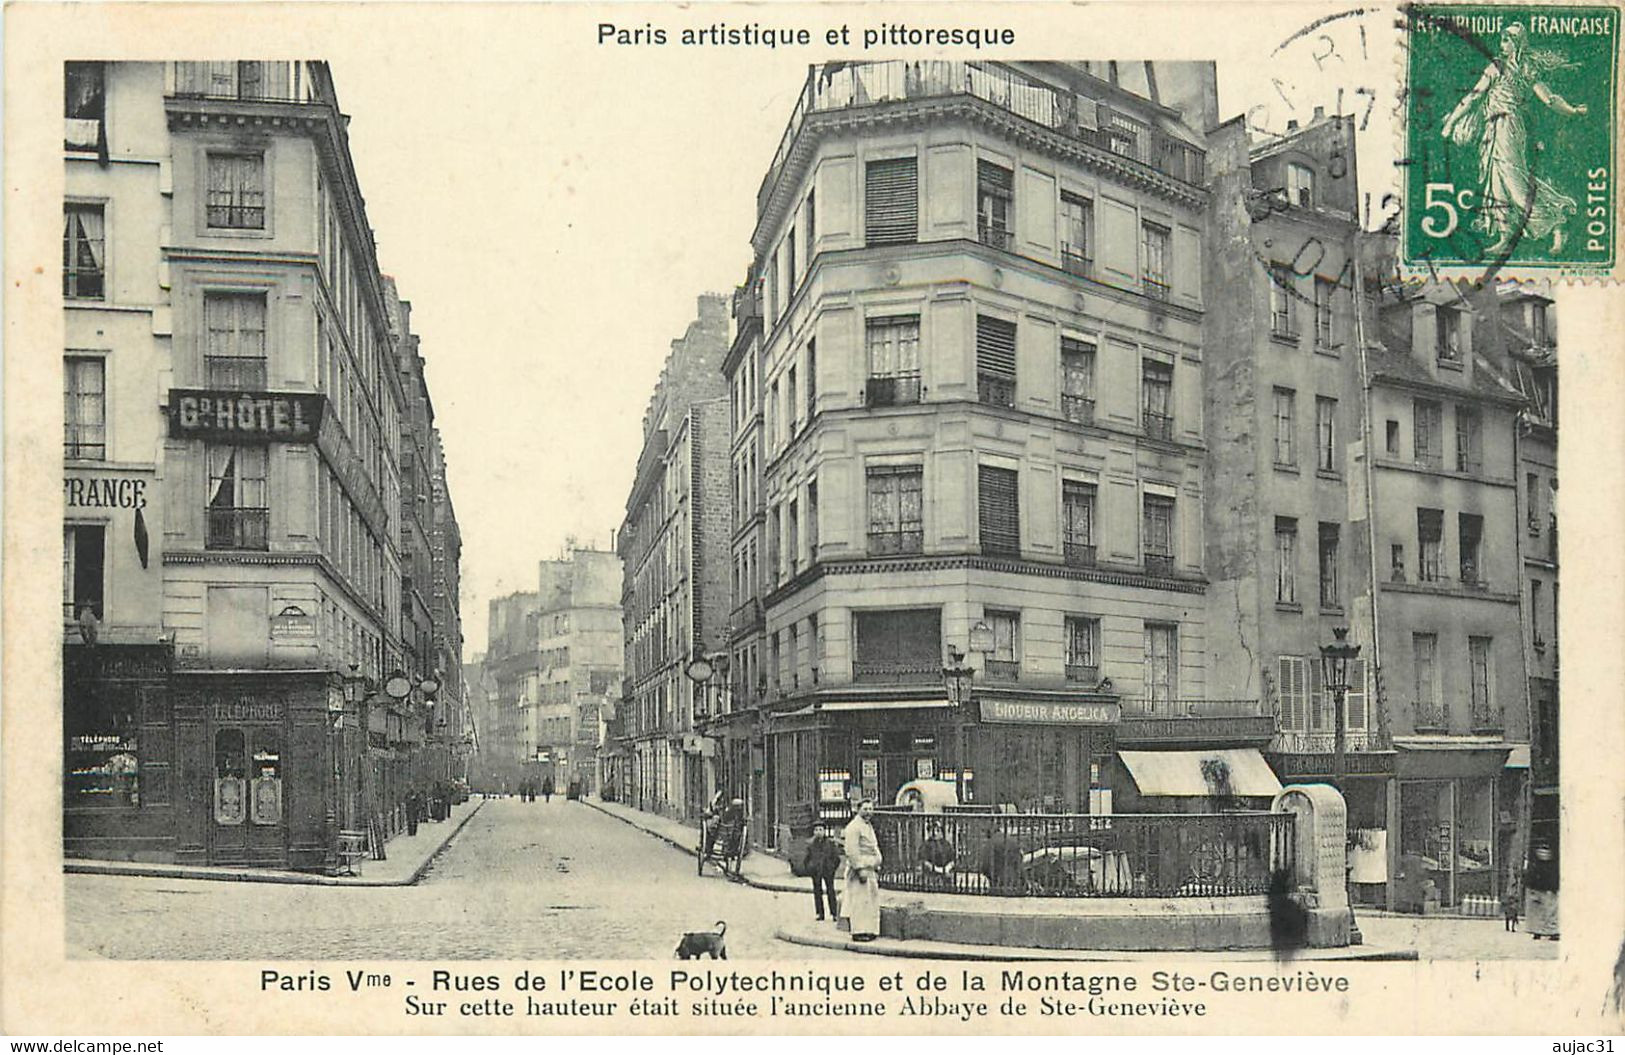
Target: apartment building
<point>231,470</point>
<point>675,602</point>
<point>980,378</point>
<point>580,645</point>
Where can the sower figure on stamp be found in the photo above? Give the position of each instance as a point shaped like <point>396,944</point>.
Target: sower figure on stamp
<point>1512,200</point>
<point>863,874</point>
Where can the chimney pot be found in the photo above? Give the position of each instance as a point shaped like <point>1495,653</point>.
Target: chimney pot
<point>1320,113</point>
<point>1292,125</point>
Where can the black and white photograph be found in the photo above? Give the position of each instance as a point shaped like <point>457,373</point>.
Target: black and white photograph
<point>798,485</point>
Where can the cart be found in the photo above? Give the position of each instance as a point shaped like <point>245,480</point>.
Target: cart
<point>723,842</point>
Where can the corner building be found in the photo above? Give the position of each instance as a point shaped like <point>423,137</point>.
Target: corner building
<point>981,383</point>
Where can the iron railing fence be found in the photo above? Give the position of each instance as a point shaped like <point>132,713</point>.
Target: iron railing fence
<point>1083,855</point>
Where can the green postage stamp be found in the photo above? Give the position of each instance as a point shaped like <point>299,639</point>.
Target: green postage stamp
<point>1510,130</point>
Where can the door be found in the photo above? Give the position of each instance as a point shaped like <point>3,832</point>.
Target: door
<point>228,827</point>
<point>267,827</point>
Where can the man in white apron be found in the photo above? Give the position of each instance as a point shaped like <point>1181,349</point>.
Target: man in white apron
<point>862,901</point>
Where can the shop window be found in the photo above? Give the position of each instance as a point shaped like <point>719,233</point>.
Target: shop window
<point>266,778</point>
<point>102,763</point>
<point>83,570</point>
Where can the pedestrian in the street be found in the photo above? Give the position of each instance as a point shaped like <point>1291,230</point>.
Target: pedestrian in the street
<point>547,789</point>
<point>863,874</point>
<point>823,861</point>
<point>411,813</point>
<point>1540,893</point>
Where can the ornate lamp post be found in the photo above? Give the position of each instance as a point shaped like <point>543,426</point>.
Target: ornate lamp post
<point>958,677</point>
<point>1335,659</point>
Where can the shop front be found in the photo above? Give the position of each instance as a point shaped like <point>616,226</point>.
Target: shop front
<point>1033,754</point>
<point>1454,830</point>
<point>1373,826</point>
<point>261,776</point>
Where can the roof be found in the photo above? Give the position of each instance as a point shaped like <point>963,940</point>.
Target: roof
<point>1484,380</point>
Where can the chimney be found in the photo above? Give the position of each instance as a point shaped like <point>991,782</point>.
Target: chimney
<point>1292,125</point>
<point>1320,113</point>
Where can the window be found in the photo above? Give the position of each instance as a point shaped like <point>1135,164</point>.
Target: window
<point>812,522</point>
<point>1470,536</point>
<point>1158,514</point>
<point>1157,398</point>
<point>1485,713</point>
<point>1004,662</point>
<point>1536,638</point>
<point>894,360</point>
<point>1329,596</point>
<point>891,202</point>
<point>1325,321</point>
<point>790,273</point>
<point>898,646</point>
<point>995,200</point>
<point>84,411</point>
<point>812,378</point>
<point>1078,522</point>
<point>1448,334</point>
<point>1077,226</point>
<point>998,511</point>
<point>1537,325</point>
<point>1428,441</point>
<point>1154,260</point>
<point>995,361</point>
<point>792,536</point>
<point>1078,380</point>
<point>1300,185</point>
<point>1082,649</point>
<point>1292,676</point>
<point>1532,501</point>
<point>1396,563</point>
<point>85,106</point>
<point>1425,661</point>
<point>1283,310</point>
<point>896,512</point>
<point>774,414</point>
<point>102,765</point>
<point>1469,442</point>
<point>1286,560</point>
<point>792,406</point>
<point>234,341</point>
<point>1430,544</point>
<point>1285,426</point>
<point>83,561</point>
<point>1391,437</point>
<point>236,196</point>
<point>812,227</point>
<point>1161,662</point>
<point>238,517</point>
<point>84,252</point>
<point>1325,434</point>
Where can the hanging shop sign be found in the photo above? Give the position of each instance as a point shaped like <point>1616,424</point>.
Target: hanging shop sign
<point>245,417</point>
<point>1035,712</point>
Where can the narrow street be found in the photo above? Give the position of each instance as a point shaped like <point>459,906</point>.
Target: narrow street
<point>546,881</point>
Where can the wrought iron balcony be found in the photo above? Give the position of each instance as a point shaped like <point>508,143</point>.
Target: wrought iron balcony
<point>1074,262</point>
<point>892,543</point>
<point>890,390</point>
<point>1080,410</point>
<point>1157,426</point>
<point>289,82</point>
<point>1080,554</point>
<point>1159,563</point>
<point>1084,674</point>
<point>238,528</point>
<point>1431,716</point>
<point>1155,287</point>
<point>896,673</point>
<point>995,236</point>
<point>996,391</point>
<point>1003,669</point>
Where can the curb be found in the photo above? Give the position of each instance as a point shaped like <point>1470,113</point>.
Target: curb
<point>121,868</point>
<point>759,884</point>
<point>930,950</point>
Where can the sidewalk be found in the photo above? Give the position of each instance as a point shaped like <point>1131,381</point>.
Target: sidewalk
<point>409,857</point>
<point>761,870</point>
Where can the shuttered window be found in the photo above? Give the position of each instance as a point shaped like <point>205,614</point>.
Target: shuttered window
<point>999,511</point>
<point>891,202</point>
<point>996,361</point>
<point>1293,692</point>
<point>898,645</point>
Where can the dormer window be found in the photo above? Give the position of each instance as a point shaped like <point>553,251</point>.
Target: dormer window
<point>1537,324</point>
<point>1449,335</point>
<point>1300,185</point>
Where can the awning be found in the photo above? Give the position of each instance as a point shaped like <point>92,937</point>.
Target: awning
<point>882,705</point>
<point>1518,758</point>
<point>1222,772</point>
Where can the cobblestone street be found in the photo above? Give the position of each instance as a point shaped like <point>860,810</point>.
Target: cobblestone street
<point>547,881</point>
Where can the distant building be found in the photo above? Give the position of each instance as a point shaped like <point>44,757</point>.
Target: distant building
<point>579,641</point>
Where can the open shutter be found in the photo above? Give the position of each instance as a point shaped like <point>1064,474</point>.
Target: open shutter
<point>891,202</point>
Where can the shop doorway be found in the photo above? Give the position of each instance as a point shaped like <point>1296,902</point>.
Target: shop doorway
<point>247,823</point>
<point>893,758</point>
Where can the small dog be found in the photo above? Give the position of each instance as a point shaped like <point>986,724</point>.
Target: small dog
<point>1510,910</point>
<point>697,943</point>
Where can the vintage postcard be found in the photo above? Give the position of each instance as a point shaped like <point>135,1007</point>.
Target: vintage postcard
<point>813,519</point>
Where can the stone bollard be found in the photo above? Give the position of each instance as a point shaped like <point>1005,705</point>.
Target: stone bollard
<point>1320,842</point>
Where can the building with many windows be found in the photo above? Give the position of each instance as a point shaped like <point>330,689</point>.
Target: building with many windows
<point>237,527</point>
<point>980,377</point>
<point>674,544</point>
<point>579,644</point>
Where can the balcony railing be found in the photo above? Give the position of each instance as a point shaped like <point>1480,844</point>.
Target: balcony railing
<point>1157,426</point>
<point>1003,669</point>
<point>1000,545</point>
<point>259,81</point>
<point>1080,554</point>
<point>1154,287</point>
<point>862,84</point>
<point>1080,410</point>
<point>1486,717</point>
<point>243,528</point>
<point>1159,563</point>
<point>1431,715</point>
<point>891,543</point>
<point>997,237</point>
<point>900,673</point>
<point>892,390</point>
<point>1083,673</point>
<point>1324,743</point>
<point>1076,263</point>
<point>996,391</point>
<point>1083,855</point>
<point>1430,459</point>
<point>1144,707</point>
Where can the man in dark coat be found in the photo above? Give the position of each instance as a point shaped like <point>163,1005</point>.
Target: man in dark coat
<point>823,861</point>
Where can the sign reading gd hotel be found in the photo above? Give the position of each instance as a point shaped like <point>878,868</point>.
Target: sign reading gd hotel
<point>266,417</point>
<point>1032,712</point>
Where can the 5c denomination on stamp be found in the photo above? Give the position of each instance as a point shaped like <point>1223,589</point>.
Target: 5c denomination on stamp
<point>1510,137</point>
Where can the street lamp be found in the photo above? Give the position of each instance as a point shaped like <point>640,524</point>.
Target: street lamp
<point>1335,660</point>
<point>958,677</point>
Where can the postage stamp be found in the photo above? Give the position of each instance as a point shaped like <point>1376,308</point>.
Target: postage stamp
<point>1510,137</point>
